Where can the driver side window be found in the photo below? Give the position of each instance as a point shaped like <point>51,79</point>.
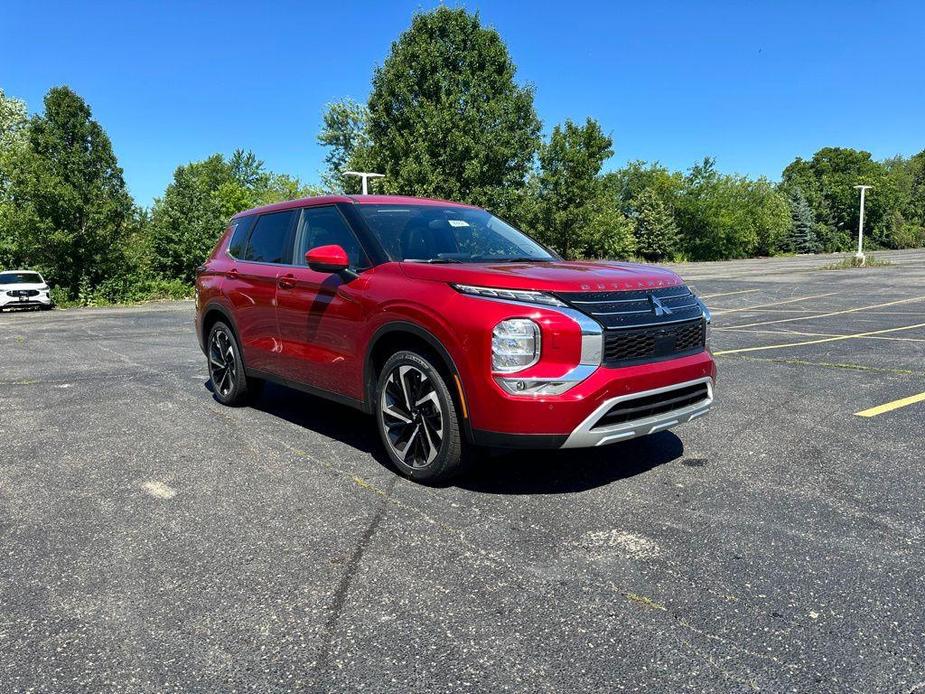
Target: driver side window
<point>324,226</point>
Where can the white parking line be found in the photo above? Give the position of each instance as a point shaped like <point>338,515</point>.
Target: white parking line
<point>743,291</point>
<point>772,304</point>
<point>817,342</point>
<point>824,315</point>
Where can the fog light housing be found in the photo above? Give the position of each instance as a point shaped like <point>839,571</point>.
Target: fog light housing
<point>515,345</point>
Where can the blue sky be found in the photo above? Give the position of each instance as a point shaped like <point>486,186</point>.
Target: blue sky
<point>752,83</point>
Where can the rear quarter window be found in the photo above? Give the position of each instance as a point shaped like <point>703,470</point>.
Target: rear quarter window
<point>240,229</point>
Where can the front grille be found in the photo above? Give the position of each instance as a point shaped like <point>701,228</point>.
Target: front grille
<point>637,308</point>
<point>650,405</point>
<point>23,292</point>
<point>625,347</point>
<point>646,324</point>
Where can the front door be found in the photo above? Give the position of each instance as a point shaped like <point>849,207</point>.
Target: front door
<point>321,315</point>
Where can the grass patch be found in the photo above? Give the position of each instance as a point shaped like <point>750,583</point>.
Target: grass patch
<point>122,291</point>
<point>851,263</point>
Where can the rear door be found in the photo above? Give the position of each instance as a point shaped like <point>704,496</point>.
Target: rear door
<point>250,285</point>
<point>321,315</point>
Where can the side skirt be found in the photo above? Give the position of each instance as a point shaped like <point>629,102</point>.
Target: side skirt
<point>311,390</point>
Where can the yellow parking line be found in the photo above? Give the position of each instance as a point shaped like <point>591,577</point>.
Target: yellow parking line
<point>742,291</point>
<point>774,303</point>
<point>826,315</point>
<point>817,342</point>
<point>890,406</point>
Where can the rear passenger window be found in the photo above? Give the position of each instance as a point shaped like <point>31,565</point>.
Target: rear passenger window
<point>324,226</point>
<point>242,226</point>
<point>269,241</point>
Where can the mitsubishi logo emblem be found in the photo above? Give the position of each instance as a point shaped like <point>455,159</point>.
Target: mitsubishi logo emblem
<point>658,307</point>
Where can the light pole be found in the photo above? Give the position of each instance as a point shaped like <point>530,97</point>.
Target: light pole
<point>860,254</point>
<point>364,176</point>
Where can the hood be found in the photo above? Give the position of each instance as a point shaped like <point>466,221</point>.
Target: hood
<point>556,276</point>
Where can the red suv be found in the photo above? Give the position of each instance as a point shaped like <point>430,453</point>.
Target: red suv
<point>451,327</point>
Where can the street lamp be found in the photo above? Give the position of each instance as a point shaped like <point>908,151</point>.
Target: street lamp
<point>860,254</point>
<point>364,176</point>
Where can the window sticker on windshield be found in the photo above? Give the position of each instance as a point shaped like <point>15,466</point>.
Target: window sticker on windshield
<point>457,223</point>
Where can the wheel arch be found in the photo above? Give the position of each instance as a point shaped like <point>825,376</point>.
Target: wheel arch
<point>213,313</point>
<point>399,335</point>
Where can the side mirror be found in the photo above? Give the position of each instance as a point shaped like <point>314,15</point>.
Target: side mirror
<point>331,258</point>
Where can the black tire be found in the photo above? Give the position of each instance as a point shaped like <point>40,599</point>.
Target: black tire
<point>414,408</point>
<point>230,385</point>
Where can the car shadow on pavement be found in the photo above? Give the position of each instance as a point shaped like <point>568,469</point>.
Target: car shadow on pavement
<point>492,471</point>
<point>569,471</point>
<point>322,416</point>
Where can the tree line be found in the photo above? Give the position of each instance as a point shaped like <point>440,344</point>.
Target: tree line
<point>445,118</point>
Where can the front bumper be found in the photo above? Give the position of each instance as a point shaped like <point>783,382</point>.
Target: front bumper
<point>7,301</point>
<point>594,431</point>
<point>572,419</point>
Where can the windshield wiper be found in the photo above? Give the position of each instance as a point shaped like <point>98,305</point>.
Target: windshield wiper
<point>431,261</point>
<point>516,259</point>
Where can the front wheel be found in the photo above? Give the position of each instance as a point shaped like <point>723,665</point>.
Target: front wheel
<point>417,419</point>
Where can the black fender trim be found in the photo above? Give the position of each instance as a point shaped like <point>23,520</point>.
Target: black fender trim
<point>226,314</point>
<point>433,342</point>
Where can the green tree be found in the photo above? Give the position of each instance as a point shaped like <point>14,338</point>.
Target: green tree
<point>916,168</point>
<point>69,206</point>
<point>446,118</point>
<point>723,216</point>
<point>347,139</point>
<point>802,238</point>
<point>828,179</point>
<point>279,187</point>
<point>656,229</point>
<point>609,233</point>
<point>247,170</point>
<point>188,220</point>
<point>629,182</point>
<point>13,122</point>
<point>568,187</point>
<point>195,209</point>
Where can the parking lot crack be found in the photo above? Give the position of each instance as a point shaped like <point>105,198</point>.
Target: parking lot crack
<point>323,661</point>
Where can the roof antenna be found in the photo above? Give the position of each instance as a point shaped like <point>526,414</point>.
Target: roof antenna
<point>364,176</point>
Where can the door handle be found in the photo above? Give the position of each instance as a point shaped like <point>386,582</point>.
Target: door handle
<point>233,272</point>
<point>286,282</point>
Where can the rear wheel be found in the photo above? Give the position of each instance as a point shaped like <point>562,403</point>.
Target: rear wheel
<point>230,385</point>
<point>417,419</point>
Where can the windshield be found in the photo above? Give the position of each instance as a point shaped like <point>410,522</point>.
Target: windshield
<point>436,234</point>
<point>20,278</point>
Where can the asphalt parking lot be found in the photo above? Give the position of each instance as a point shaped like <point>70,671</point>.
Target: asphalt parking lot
<point>154,540</point>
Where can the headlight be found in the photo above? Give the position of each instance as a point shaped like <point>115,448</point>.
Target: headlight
<point>515,345</point>
<point>524,295</point>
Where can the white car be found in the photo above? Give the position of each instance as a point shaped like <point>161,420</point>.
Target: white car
<point>24,289</point>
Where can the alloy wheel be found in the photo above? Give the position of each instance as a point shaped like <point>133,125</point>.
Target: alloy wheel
<point>412,416</point>
<point>222,365</point>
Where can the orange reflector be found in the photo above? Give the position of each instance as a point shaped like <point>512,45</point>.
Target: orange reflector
<point>462,399</point>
